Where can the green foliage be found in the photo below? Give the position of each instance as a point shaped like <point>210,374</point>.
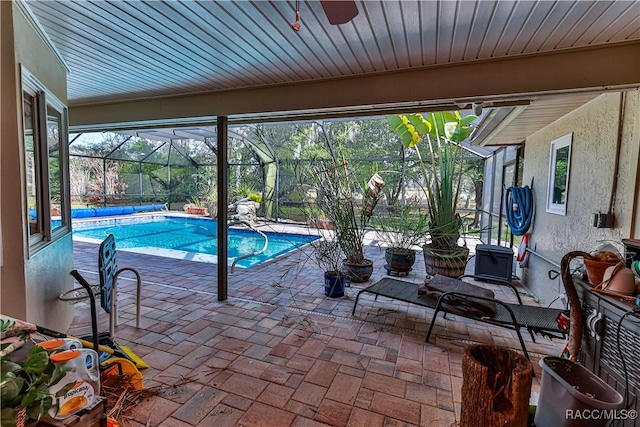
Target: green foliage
<point>347,204</point>
<point>404,228</point>
<point>26,385</point>
<point>443,132</point>
<point>328,254</point>
<point>247,191</point>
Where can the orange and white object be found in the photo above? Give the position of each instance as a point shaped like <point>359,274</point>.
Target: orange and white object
<point>80,384</point>
<point>60,344</point>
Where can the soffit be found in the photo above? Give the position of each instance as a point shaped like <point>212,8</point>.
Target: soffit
<point>126,50</point>
<point>516,124</point>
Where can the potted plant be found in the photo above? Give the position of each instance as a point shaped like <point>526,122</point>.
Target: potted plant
<point>24,386</point>
<point>349,207</point>
<point>442,174</point>
<point>195,206</point>
<point>401,233</point>
<point>329,257</point>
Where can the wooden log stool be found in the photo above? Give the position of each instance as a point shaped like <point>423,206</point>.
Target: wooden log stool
<point>496,385</point>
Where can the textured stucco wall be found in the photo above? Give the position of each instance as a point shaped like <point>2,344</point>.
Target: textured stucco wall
<point>593,158</point>
<point>31,282</point>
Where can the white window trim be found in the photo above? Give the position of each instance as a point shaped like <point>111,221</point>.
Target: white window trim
<point>557,144</point>
<point>31,85</point>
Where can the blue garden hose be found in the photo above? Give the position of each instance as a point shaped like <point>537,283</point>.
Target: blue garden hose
<point>519,209</point>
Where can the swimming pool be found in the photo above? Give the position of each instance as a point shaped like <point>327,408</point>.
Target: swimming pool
<point>194,239</point>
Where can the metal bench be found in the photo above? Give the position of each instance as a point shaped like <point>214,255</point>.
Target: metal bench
<point>535,319</point>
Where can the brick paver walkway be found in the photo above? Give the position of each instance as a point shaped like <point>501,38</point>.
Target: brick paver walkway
<point>280,353</point>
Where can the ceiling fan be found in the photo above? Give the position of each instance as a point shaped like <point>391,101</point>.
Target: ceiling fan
<point>337,12</point>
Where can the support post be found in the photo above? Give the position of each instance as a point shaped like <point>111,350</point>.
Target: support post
<point>223,186</point>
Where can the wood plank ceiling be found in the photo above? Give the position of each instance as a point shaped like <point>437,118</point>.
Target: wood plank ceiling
<point>130,50</point>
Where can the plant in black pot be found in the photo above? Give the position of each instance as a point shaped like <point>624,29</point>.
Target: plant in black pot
<point>442,174</point>
<point>349,206</point>
<point>401,231</point>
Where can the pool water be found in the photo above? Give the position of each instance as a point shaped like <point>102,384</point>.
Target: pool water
<point>194,238</point>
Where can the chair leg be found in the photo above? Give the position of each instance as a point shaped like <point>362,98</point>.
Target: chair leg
<point>524,349</point>
<point>353,312</point>
<point>533,338</point>
<point>433,321</point>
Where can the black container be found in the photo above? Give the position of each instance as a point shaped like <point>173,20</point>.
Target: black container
<point>493,263</point>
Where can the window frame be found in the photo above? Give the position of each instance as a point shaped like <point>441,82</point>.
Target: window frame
<point>43,99</point>
<point>558,144</point>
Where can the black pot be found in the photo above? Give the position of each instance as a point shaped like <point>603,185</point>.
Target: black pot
<point>358,273</point>
<point>334,284</point>
<point>400,259</point>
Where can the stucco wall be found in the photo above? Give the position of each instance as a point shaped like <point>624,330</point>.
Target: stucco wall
<point>31,282</point>
<point>593,160</point>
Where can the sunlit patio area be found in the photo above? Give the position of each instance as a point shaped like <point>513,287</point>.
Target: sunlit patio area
<point>280,353</point>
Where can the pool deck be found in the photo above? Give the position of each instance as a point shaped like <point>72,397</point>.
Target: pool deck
<point>278,352</point>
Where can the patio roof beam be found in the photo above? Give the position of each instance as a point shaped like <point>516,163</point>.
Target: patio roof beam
<point>529,76</point>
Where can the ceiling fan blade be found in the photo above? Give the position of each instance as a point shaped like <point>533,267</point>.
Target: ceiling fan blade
<point>339,11</point>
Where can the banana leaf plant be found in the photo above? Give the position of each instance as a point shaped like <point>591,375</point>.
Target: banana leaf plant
<point>442,133</point>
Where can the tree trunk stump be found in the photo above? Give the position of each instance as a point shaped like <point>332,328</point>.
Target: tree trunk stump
<point>496,386</point>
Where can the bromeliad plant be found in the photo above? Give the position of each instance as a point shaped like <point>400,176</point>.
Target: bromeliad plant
<point>443,132</point>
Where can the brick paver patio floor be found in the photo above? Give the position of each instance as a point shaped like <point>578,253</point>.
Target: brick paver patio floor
<point>278,352</point>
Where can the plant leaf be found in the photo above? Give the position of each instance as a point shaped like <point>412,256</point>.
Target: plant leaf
<point>37,360</point>
<point>407,133</point>
<point>467,120</point>
<point>10,387</point>
<point>9,366</point>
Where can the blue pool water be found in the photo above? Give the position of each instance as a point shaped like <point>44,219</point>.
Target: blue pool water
<point>194,236</point>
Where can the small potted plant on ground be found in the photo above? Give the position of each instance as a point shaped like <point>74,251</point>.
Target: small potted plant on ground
<point>401,232</point>
<point>195,207</point>
<point>329,257</point>
<point>350,208</point>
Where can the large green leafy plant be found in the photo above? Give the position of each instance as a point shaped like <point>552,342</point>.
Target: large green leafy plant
<point>25,385</point>
<point>442,133</point>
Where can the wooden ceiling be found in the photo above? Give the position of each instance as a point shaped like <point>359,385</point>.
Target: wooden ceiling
<point>121,51</point>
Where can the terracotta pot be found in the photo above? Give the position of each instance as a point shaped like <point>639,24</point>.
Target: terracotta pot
<point>595,270</point>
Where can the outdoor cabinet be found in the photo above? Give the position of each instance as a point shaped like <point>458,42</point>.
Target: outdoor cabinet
<point>493,263</point>
<point>599,350</point>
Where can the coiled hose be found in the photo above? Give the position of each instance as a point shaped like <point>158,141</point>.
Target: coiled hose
<point>519,209</point>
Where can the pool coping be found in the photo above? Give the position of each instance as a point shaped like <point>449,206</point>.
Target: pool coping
<point>283,228</point>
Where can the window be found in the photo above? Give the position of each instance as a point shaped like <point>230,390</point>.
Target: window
<point>559,163</point>
<point>45,154</point>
